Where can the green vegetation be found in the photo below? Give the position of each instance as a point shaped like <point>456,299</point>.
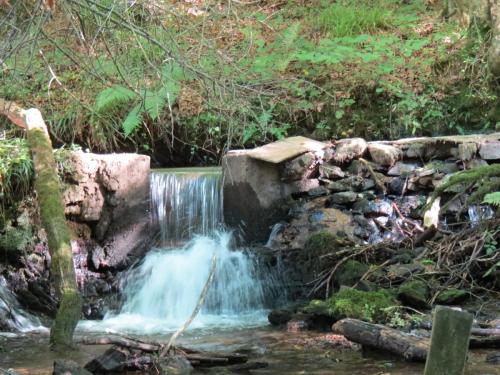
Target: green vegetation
<point>158,80</point>
<point>351,303</point>
<point>350,273</point>
<point>414,293</point>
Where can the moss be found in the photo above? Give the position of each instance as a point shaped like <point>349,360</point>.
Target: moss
<point>320,242</point>
<point>51,206</point>
<point>414,293</point>
<point>15,239</point>
<point>357,304</point>
<point>452,296</point>
<point>350,272</point>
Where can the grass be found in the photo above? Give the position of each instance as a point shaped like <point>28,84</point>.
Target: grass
<point>342,20</point>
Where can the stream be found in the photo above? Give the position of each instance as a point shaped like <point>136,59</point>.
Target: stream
<point>160,293</point>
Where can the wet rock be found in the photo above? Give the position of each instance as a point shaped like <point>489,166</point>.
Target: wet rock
<point>299,168</point>
<point>398,185</point>
<point>378,208</point>
<point>98,258</point>
<point>385,155</point>
<point>353,183</point>
<point>331,172</point>
<point>452,296</point>
<point>279,317</point>
<point>344,197</point>
<point>13,243</point>
<point>490,151</point>
<point>111,361</point>
<point>402,169</point>
<point>68,367</point>
<point>475,163</point>
<point>349,149</point>
<point>414,293</point>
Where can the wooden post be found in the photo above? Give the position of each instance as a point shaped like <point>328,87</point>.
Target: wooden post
<point>449,342</point>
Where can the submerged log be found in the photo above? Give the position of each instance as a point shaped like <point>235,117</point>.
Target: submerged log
<point>377,336</point>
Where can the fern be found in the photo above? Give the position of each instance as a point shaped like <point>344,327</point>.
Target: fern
<point>133,120</point>
<point>111,97</point>
<point>492,198</point>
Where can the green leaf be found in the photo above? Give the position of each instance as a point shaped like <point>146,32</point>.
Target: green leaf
<point>112,97</point>
<point>133,120</point>
<point>154,103</point>
<point>492,198</point>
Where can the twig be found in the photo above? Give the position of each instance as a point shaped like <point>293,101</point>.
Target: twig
<point>197,309</point>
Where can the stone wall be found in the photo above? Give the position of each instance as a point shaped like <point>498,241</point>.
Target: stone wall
<point>366,191</point>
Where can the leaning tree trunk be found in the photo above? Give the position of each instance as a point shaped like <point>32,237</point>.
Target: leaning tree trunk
<point>53,220</point>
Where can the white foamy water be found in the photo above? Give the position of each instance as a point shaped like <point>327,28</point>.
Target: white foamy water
<point>13,315</point>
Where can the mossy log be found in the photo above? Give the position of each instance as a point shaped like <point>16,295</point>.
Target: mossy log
<point>51,206</point>
<point>377,336</point>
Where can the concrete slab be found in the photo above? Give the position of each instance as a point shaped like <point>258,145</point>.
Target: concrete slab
<point>285,149</point>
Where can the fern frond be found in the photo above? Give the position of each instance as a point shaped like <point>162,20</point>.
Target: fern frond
<point>154,103</point>
<point>492,198</point>
<point>133,120</point>
<point>112,97</point>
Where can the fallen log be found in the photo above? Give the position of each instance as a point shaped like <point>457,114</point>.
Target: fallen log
<point>410,347</point>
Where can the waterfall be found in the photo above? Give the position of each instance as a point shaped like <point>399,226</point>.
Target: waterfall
<point>12,317</point>
<point>186,202</point>
<point>162,291</point>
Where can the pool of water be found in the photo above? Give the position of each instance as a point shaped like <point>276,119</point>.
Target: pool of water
<point>285,353</point>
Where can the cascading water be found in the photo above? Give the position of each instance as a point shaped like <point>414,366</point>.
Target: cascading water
<point>11,314</point>
<point>163,290</point>
<point>186,202</point>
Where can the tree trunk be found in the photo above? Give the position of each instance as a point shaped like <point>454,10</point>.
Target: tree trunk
<point>51,205</point>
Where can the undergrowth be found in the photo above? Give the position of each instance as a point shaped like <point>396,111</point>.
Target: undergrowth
<point>153,78</point>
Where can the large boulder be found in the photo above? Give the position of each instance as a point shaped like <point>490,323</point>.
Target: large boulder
<point>111,193</point>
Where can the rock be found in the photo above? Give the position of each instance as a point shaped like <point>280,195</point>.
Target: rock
<point>353,183</point>
<point>344,197</point>
<point>318,191</point>
<point>68,367</point>
<point>378,208</point>
<point>299,168</point>
<point>403,271</point>
<point>350,273</point>
<point>176,364</point>
<point>402,169</point>
<point>490,151</point>
<point>349,149</point>
<point>298,325</point>
<point>493,358</point>
<point>331,172</point>
<point>112,360</point>
<point>279,317</point>
<point>414,293</point>
<point>357,304</point>
<point>385,155</point>
<point>465,151</point>
<point>397,185</point>
<point>452,296</point>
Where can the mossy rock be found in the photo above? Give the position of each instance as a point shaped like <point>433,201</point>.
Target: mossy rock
<point>452,296</point>
<point>14,242</point>
<point>414,293</point>
<point>321,243</point>
<point>350,273</point>
<point>356,304</point>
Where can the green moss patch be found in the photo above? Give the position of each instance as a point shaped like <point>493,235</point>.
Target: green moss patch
<point>414,293</point>
<point>357,304</point>
<point>350,273</point>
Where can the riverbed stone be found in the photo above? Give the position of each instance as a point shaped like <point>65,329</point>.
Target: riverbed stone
<point>279,317</point>
<point>349,273</point>
<point>452,296</point>
<point>385,155</point>
<point>402,169</point>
